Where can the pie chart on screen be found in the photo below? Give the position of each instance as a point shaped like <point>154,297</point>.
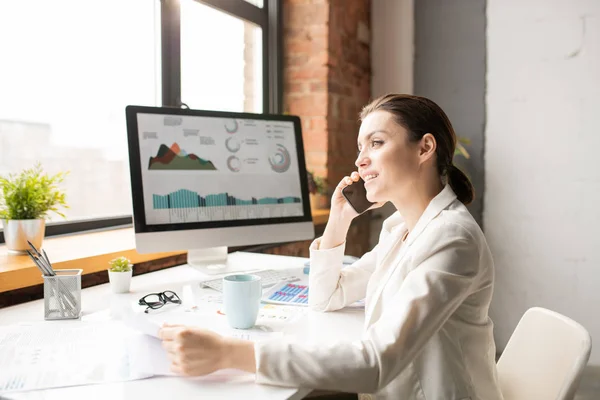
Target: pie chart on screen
<point>231,126</point>
<point>232,144</point>
<point>234,164</point>
<point>280,159</point>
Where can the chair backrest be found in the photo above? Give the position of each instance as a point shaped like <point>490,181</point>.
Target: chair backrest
<point>544,358</point>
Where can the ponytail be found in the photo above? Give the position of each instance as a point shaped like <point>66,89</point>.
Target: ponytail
<point>460,184</point>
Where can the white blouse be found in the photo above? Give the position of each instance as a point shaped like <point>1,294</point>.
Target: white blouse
<point>427,333</point>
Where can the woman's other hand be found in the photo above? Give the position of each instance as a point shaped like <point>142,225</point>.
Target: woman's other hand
<point>197,352</point>
<point>193,351</point>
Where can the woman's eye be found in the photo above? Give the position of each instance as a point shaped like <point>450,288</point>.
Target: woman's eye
<point>376,143</point>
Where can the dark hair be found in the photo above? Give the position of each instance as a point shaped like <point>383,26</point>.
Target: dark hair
<point>419,115</point>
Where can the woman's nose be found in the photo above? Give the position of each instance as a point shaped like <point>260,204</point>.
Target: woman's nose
<point>361,161</point>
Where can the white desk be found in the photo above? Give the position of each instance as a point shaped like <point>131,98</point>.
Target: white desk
<point>313,327</point>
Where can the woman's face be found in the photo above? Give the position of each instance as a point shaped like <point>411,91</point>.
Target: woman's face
<point>387,161</point>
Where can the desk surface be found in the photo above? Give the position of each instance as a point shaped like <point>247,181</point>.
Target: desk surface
<point>312,327</point>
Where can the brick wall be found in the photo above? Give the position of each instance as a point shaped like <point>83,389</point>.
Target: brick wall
<point>327,80</point>
<point>306,34</point>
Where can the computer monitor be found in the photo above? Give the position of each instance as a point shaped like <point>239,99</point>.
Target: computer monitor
<point>203,181</point>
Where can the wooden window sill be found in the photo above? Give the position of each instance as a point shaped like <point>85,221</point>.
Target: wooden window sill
<point>90,252</point>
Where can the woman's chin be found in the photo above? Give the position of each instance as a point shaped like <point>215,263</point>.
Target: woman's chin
<point>375,196</point>
<point>372,197</point>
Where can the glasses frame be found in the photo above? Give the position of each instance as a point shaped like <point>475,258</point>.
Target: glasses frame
<point>168,296</point>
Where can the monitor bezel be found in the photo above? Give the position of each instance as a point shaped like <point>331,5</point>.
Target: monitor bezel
<point>135,165</point>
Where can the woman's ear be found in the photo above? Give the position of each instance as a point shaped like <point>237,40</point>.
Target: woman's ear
<point>427,147</point>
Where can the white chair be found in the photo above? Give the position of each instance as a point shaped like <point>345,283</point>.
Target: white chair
<point>544,358</point>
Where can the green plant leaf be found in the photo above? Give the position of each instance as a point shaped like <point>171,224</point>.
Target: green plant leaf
<point>462,151</point>
<point>321,184</point>
<point>316,184</point>
<point>31,194</point>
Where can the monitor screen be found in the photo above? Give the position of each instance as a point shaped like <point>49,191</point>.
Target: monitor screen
<point>216,173</point>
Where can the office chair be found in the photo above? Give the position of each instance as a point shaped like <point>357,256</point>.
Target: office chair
<point>544,358</point>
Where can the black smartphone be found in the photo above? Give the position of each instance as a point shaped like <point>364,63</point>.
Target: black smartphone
<point>356,195</point>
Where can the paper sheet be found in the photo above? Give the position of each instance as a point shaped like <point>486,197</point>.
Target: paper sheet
<point>62,354</point>
<point>252,335</point>
<point>141,323</point>
<point>59,354</point>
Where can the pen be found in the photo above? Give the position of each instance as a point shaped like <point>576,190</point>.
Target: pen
<point>46,258</point>
<point>42,269</point>
<point>43,260</point>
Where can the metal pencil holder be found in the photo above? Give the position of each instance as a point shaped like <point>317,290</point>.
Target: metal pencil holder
<point>62,294</point>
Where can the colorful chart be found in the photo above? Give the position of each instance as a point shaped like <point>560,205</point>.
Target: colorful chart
<point>232,144</point>
<point>280,161</point>
<point>231,126</point>
<point>234,164</point>
<point>175,158</point>
<point>184,198</point>
<point>288,293</point>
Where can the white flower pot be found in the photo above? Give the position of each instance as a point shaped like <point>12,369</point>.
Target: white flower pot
<point>18,231</point>
<point>120,281</point>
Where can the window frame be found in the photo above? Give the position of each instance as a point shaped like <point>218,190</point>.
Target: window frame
<point>268,18</point>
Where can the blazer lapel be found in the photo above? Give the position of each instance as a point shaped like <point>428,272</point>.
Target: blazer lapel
<point>435,207</point>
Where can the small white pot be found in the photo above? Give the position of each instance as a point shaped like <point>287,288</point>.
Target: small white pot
<point>120,281</point>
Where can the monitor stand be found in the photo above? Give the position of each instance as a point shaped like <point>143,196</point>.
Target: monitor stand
<point>212,261</point>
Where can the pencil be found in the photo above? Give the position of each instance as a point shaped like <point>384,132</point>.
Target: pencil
<point>42,269</point>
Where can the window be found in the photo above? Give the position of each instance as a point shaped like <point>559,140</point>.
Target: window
<point>70,68</point>
<point>225,74</point>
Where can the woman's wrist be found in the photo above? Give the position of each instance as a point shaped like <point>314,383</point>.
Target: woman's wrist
<point>238,354</point>
<point>335,232</point>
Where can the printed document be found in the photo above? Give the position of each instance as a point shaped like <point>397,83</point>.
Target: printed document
<point>58,354</point>
<point>63,353</point>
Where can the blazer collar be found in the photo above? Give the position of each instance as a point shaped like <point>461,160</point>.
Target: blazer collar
<point>435,207</point>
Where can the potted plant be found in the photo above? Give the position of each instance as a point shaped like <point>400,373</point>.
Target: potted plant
<point>460,147</point>
<point>119,274</point>
<point>26,198</point>
<point>317,188</point>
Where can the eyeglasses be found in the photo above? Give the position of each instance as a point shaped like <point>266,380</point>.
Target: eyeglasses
<point>155,301</point>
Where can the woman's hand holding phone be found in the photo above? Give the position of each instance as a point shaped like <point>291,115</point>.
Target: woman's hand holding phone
<point>349,198</point>
<point>342,212</point>
<point>340,207</point>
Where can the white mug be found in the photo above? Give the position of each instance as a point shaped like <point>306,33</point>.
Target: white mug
<point>241,299</point>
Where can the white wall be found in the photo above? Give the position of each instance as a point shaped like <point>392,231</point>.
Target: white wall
<point>542,200</point>
<point>392,46</point>
<point>392,57</point>
<point>450,67</point>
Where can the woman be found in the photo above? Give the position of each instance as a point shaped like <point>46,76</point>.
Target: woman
<point>428,282</point>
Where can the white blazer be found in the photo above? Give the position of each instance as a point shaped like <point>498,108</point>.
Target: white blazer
<point>427,332</point>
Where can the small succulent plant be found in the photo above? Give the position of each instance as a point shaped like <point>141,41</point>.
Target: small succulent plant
<point>120,264</point>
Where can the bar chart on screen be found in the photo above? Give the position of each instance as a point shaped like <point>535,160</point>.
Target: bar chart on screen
<point>184,198</point>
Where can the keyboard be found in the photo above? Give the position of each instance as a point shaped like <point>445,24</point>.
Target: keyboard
<point>269,277</point>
